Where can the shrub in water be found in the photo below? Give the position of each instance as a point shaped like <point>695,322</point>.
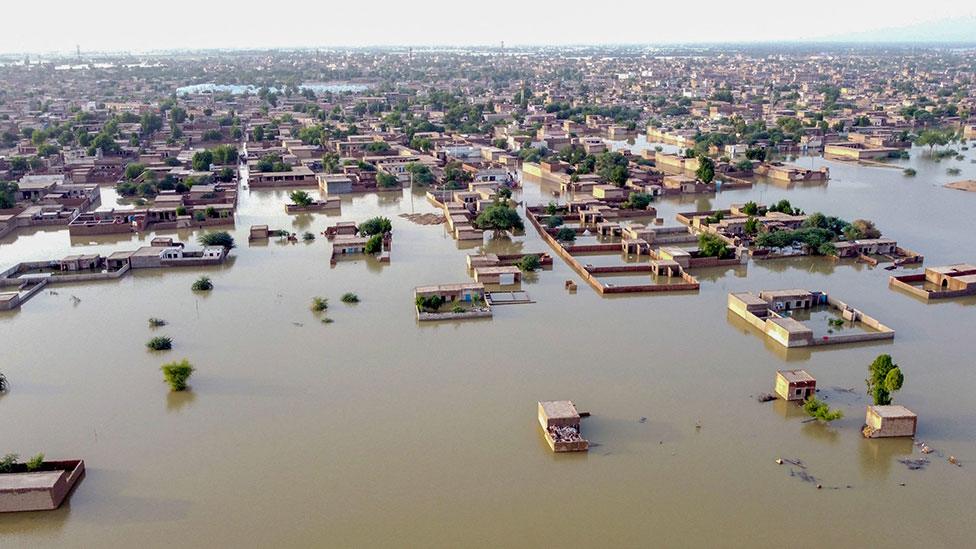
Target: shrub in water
<point>176,374</point>
<point>320,304</point>
<point>160,343</point>
<point>202,284</point>
<point>350,297</point>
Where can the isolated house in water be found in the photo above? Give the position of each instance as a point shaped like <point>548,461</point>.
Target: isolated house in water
<point>795,384</point>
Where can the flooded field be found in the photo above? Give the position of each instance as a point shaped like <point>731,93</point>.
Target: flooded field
<point>378,430</point>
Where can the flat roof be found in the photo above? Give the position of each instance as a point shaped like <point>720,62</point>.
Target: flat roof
<point>892,411</point>
<point>450,287</point>
<point>749,298</point>
<point>773,294</point>
<point>559,409</point>
<point>503,269</point>
<point>795,376</point>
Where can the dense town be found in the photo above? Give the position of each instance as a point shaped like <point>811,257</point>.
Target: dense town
<point>592,170</point>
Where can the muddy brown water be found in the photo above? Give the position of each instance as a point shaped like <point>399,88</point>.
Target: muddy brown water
<point>375,430</point>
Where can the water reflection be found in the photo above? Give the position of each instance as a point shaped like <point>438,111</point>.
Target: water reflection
<point>177,400</point>
<point>878,454</point>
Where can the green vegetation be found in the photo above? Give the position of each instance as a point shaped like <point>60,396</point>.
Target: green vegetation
<point>202,160</point>
<point>499,217</point>
<point>420,174</point>
<point>885,378</point>
<point>134,170</point>
<point>301,198</point>
<point>202,284</point>
<point>3,383</point>
<point>272,163</point>
<point>710,245</point>
<point>349,297</point>
<point>612,166</point>
<point>319,304</point>
<point>552,208</point>
<point>35,463</point>
<point>7,463</point>
<point>638,201</point>
<point>784,206</point>
<point>953,171</point>
<point>909,172</point>
<point>750,208</point>
<point>374,245</point>
<point>566,234</point>
<point>375,226</point>
<point>706,169</point>
<point>387,181</point>
<point>156,322</point>
<point>160,343</point>
<point>817,241</point>
<point>308,237</point>
<point>529,263</point>
<point>176,374</point>
<point>554,221</point>
<point>430,303</point>
<point>7,196</point>
<point>217,238</point>
<point>819,410</point>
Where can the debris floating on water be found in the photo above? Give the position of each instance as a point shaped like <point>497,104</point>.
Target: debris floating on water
<point>765,397</point>
<point>914,464</point>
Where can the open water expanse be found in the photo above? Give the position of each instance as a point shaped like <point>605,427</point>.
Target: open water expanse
<point>378,431</point>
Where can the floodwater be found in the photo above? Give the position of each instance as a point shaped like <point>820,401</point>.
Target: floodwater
<point>375,430</point>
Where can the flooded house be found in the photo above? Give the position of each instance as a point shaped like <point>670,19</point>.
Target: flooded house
<point>889,421</point>
<point>795,385</point>
<point>942,282</point>
<point>560,422</point>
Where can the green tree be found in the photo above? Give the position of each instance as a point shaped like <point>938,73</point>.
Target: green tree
<point>134,170</point>
<point>8,195</point>
<point>706,169</point>
<point>885,378</point>
<point>710,245</point>
<point>374,245</point>
<point>499,217</point>
<point>566,234</point>
<point>301,198</point>
<point>217,238</point>
<point>387,181</point>
<point>202,160</point>
<point>529,263</point>
<point>375,226</point>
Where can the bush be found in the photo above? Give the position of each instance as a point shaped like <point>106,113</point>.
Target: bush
<point>217,238</point>
<point>457,309</point>
<point>566,234</point>
<point>35,463</point>
<point>554,221</point>
<point>320,304</point>
<point>818,409</point>
<point>910,172</point>
<point>429,303</point>
<point>156,322</point>
<point>202,284</point>
<point>3,383</point>
<point>160,343</point>
<point>528,263</point>
<point>307,236</point>
<point>176,374</point>
<point>7,463</point>
<point>350,297</point>
<point>638,201</point>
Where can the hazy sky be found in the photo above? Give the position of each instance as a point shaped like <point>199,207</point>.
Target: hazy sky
<point>137,25</point>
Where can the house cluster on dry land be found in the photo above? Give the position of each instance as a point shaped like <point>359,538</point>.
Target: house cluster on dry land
<point>785,317</point>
